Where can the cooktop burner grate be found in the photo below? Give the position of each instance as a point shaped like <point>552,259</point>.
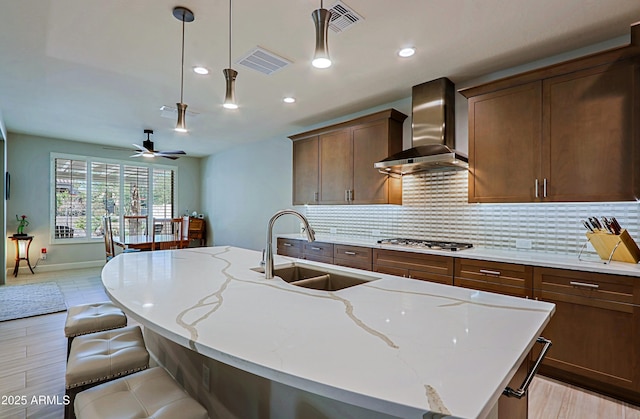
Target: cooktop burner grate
<point>427,244</point>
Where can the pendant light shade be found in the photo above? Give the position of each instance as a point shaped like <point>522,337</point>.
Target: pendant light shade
<point>181,125</point>
<point>185,15</point>
<point>230,76</point>
<point>321,19</point>
<point>230,96</point>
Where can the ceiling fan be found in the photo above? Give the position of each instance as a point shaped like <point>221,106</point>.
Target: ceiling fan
<point>146,150</point>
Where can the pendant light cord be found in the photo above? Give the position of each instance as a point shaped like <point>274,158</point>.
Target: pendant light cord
<point>229,33</point>
<point>182,67</point>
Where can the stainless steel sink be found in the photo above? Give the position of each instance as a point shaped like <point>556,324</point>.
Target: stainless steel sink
<point>314,277</point>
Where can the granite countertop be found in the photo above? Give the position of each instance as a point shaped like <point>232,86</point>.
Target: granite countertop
<point>589,263</point>
<point>394,345</point>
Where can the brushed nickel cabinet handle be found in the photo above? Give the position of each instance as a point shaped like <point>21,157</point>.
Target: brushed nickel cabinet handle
<point>536,187</point>
<point>519,393</point>
<point>584,285</point>
<point>487,272</point>
<point>544,188</point>
<point>349,253</point>
<point>288,244</point>
<point>316,196</point>
<point>315,248</point>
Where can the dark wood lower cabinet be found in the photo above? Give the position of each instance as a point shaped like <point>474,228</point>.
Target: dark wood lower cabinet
<point>595,330</point>
<point>352,256</point>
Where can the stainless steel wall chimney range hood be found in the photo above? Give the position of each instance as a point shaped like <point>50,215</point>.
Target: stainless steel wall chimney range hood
<point>433,132</point>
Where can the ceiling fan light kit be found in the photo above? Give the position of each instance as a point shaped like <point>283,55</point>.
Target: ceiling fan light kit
<point>321,18</point>
<point>185,16</point>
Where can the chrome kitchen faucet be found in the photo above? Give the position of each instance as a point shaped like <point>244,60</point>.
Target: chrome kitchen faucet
<point>268,256</point>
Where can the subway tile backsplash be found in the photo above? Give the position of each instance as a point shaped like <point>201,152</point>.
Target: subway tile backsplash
<point>435,207</point>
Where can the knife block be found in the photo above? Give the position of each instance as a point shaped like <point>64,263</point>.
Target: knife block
<point>605,243</point>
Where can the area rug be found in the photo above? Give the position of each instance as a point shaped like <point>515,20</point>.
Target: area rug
<point>20,301</point>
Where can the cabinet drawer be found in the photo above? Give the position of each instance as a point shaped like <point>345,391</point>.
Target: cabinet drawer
<point>498,273</point>
<point>352,256</point>
<point>575,285</point>
<point>290,247</point>
<point>320,252</point>
<point>420,266</point>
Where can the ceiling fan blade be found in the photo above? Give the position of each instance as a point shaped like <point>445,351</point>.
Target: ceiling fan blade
<point>167,157</point>
<point>172,152</point>
<point>141,149</point>
<point>136,155</point>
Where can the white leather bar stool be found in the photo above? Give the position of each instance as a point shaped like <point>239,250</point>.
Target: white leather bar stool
<point>91,318</point>
<point>147,394</point>
<point>102,356</point>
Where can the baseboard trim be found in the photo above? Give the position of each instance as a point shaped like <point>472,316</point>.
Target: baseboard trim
<point>56,267</point>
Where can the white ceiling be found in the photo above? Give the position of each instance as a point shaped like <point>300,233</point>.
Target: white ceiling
<point>98,71</point>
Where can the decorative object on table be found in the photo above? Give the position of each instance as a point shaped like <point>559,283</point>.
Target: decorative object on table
<point>22,223</point>
<point>610,240</point>
<point>23,243</point>
<point>20,301</point>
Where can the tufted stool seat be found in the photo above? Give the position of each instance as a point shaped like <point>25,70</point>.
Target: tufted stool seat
<point>147,394</point>
<point>102,356</point>
<point>91,318</point>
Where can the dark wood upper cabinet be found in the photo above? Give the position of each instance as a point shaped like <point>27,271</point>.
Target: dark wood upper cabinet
<point>343,171</point>
<point>563,133</point>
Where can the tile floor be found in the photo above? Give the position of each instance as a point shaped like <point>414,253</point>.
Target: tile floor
<point>32,363</point>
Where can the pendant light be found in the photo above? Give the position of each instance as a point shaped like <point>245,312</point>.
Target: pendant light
<point>230,76</point>
<point>321,19</point>
<point>185,15</point>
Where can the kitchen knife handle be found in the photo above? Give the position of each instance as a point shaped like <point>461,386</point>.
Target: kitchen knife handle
<point>584,285</point>
<point>544,188</point>
<point>487,272</point>
<point>536,187</point>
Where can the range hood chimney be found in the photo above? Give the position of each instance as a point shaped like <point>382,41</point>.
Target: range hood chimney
<point>433,132</point>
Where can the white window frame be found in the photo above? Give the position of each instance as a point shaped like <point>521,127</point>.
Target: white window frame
<point>89,160</point>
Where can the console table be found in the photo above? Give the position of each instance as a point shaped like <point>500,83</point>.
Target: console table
<point>198,230</point>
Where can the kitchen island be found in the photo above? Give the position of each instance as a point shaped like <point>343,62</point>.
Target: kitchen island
<point>388,347</point>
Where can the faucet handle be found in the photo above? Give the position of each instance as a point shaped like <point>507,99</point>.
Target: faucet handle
<point>263,262</point>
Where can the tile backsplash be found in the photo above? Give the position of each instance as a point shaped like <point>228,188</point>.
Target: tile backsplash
<point>435,207</point>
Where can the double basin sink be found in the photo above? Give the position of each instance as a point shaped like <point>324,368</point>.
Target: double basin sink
<point>318,278</point>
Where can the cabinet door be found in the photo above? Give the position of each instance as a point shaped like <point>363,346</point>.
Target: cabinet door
<point>590,147</point>
<point>336,166</point>
<point>504,144</point>
<point>370,145</point>
<point>305,171</point>
<point>594,329</point>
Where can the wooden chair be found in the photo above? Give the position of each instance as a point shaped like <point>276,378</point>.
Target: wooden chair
<point>109,248</point>
<point>184,242</point>
<point>167,233</point>
<point>135,225</point>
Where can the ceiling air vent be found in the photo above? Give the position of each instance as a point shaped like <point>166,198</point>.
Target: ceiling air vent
<point>343,17</point>
<point>261,60</point>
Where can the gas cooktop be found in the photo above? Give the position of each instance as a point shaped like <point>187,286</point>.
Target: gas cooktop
<point>427,244</point>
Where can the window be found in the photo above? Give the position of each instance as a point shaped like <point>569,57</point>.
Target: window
<point>86,189</point>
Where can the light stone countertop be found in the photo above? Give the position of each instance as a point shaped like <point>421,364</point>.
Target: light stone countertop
<point>397,346</point>
<point>589,263</point>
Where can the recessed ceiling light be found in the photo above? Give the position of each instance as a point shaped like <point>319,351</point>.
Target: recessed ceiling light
<point>407,52</point>
<point>200,70</point>
<point>289,99</point>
